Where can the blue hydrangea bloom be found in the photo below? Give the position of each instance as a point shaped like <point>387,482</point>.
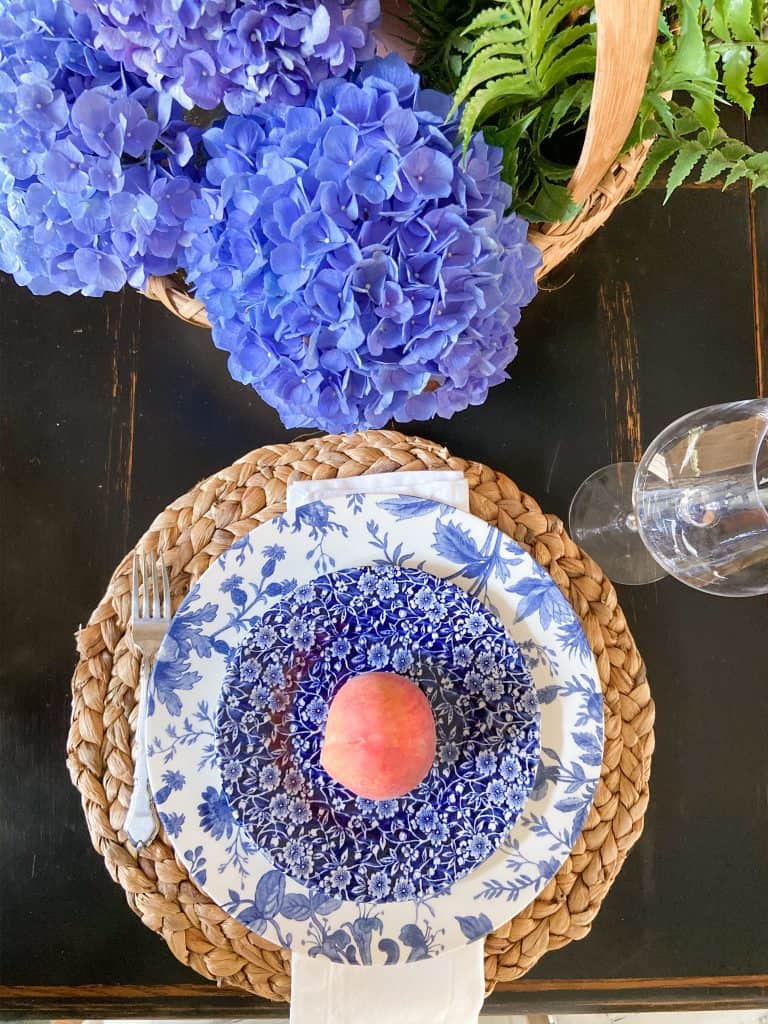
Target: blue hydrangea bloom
<point>239,52</point>
<point>356,265</point>
<point>94,192</point>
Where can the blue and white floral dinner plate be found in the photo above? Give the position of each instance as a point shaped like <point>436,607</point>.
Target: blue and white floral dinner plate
<point>257,572</point>
<point>272,715</point>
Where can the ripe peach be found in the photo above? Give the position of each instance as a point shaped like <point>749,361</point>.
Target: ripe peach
<point>380,736</point>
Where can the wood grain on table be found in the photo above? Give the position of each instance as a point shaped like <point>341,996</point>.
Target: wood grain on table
<point>111,408</point>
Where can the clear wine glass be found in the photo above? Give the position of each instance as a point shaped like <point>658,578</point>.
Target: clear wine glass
<point>696,505</point>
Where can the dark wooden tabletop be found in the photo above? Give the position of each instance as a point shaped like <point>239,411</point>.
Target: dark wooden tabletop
<point>111,408</point>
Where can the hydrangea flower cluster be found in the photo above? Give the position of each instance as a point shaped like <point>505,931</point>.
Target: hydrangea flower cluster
<point>354,262</point>
<point>92,194</point>
<point>240,52</point>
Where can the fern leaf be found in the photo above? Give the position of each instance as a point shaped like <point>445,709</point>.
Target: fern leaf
<point>714,165</point>
<point>753,167</point>
<point>686,121</point>
<point>491,18</point>
<point>736,61</point>
<point>690,58</point>
<point>704,107</point>
<point>552,203</point>
<point>483,69</point>
<point>735,149</point>
<point>736,173</point>
<point>510,165</point>
<point>760,67</point>
<point>511,37</point>
<point>563,41</point>
<point>758,170</point>
<point>739,19</point>
<point>509,137</point>
<point>552,9</point>
<point>553,16</point>
<point>660,107</point>
<point>718,20</point>
<point>578,61</point>
<point>501,88</point>
<point>553,171</point>
<point>574,100</point>
<point>689,155</point>
<point>664,29</point>
<point>525,71</point>
<point>492,50</point>
<point>661,151</point>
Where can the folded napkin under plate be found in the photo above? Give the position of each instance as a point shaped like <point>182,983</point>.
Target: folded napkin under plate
<point>447,486</point>
<point>447,989</point>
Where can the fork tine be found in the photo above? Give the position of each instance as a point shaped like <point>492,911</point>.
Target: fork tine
<point>146,588</point>
<point>155,591</point>
<point>166,592</point>
<point>135,588</point>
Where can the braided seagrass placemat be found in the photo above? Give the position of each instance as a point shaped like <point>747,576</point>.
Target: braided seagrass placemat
<point>195,529</point>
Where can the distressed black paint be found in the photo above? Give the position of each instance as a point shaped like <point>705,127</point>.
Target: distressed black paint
<point>111,408</point>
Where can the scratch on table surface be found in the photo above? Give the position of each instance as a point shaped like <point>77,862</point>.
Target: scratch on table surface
<point>552,465</point>
<point>123,332</point>
<point>133,376</point>
<point>113,408</point>
<point>622,408</point>
<point>759,300</point>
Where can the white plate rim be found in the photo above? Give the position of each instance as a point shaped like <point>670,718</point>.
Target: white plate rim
<point>567,684</point>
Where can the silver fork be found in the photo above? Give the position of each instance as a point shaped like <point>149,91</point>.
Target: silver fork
<point>150,619</point>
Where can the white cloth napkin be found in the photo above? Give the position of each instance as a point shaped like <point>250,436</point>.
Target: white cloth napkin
<point>447,989</point>
<point>446,485</point>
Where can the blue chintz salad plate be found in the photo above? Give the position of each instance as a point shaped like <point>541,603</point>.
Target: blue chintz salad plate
<point>265,567</point>
<point>275,702</point>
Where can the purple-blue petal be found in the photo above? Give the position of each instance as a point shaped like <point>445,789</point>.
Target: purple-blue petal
<point>372,279</point>
<point>429,172</point>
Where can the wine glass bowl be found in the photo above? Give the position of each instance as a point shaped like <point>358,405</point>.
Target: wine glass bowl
<point>696,506</point>
<point>700,496</point>
<point>603,522</point>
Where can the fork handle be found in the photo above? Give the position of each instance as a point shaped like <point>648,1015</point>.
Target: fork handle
<point>141,823</point>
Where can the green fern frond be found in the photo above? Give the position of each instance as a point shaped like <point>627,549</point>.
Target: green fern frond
<point>580,60</point>
<point>494,67</point>
<point>490,19</point>
<point>562,42</point>
<point>484,98</point>
<point>523,71</point>
<point>512,38</point>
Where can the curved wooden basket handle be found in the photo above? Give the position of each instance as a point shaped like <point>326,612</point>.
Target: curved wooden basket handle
<point>626,37</point>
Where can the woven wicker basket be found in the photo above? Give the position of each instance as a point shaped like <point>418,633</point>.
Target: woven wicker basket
<point>626,36</point>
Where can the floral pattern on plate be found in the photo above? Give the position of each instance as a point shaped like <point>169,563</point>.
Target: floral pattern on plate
<point>257,571</point>
<point>272,716</point>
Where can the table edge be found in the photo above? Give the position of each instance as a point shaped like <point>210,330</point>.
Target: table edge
<point>80,1002</point>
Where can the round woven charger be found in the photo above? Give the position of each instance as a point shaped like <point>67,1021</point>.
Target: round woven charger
<point>196,529</point>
